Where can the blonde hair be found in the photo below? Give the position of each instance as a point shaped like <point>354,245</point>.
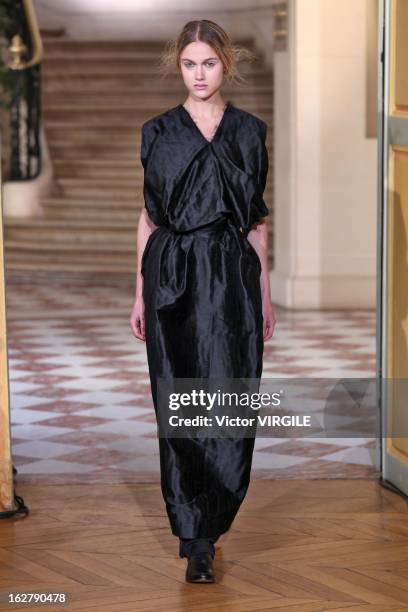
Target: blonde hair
<point>214,35</point>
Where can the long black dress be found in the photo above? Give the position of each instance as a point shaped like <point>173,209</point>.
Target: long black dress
<point>202,295</point>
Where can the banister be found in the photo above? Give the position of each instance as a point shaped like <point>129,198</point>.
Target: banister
<point>17,47</point>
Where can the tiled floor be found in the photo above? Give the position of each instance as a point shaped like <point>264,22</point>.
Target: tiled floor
<point>81,409</point>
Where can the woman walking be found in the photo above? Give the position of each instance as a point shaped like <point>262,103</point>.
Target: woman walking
<point>203,302</point>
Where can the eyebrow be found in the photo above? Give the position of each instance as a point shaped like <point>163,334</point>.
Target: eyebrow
<point>205,60</point>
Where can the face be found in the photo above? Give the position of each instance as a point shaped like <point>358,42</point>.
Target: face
<point>202,70</point>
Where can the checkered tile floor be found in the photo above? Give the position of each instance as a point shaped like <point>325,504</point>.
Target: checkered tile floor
<point>81,409</point>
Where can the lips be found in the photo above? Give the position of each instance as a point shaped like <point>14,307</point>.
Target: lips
<point>200,86</point>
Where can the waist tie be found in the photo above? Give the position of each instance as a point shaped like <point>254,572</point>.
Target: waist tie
<point>210,228</point>
<point>173,255</point>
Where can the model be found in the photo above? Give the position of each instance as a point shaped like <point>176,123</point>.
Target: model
<point>203,301</point>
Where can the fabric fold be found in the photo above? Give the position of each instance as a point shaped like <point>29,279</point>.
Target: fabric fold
<point>202,296</point>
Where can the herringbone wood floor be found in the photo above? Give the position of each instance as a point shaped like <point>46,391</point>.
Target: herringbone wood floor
<point>296,545</point>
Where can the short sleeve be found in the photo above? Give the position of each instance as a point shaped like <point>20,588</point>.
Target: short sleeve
<point>259,208</point>
<point>148,133</point>
<point>151,178</point>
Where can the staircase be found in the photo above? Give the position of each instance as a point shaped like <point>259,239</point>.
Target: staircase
<point>95,97</point>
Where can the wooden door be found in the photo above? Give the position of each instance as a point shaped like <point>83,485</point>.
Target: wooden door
<point>393,241</point>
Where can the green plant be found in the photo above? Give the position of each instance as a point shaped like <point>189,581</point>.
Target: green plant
<point>6,25</point>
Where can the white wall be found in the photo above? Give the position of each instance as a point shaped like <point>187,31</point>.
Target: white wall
<point>325,167</point>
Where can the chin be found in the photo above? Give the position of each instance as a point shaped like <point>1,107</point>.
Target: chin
<point>202,93</point>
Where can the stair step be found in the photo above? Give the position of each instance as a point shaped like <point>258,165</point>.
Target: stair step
<point>78,47</point>
<point>56,91</point>
<point>139,63</point>
<point>69,213</point>
<point>69,169</point>
<point>108,194</point>
<point>119,53</point>
<point>139,87</point>
<point>44,223</point>
<point>69,262</point>
<point>97,174</point>
<point>128,101</point>
<point>69,235</point>
<point>65,137</point>
<point>100,249</point>
<point>114,119</point>
<point>103,84</point>
<point>112,58</point>
<point>88,204</point>
<point>118,183</point>
<point>115,184</point>
<point>52,32</point>
<point>142,92</point>
<point>145,83</point>
<point>101,46</point>
<point>88,117</point>
<point>65,151</point>
<point>40,275</point>
<point>99,135</point>
<point>99,146</point>
<point>103,164</point>
<point>130,145</point>
<point>110,120</point>
<point>127,70</point>
<point>103,138</point>
<point>124,109</point>
<point>102,194</point>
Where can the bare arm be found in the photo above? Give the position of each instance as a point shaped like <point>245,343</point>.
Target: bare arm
<point>144,229</point>
<point>258,237</point>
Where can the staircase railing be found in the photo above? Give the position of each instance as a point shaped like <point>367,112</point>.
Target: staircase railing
<point>25,51</point>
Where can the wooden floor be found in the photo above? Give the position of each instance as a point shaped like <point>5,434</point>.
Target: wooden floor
<point>296,545</point>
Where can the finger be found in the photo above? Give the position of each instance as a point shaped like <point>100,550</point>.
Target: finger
<point>265,325</point>
<point>135,329</point>
<point>133,326</point>
<point>139,329</point>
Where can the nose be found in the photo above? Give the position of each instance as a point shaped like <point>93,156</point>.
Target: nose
<point>199,73</point>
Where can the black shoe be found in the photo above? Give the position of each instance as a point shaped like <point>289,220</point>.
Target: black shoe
<point>200,568</point>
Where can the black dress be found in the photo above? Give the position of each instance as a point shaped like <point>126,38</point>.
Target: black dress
<point>202,295</point>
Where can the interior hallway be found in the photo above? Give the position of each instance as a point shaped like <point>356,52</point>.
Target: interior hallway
<point>81,409</point>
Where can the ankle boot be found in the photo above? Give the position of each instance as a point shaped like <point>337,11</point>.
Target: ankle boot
<point>200,568</point>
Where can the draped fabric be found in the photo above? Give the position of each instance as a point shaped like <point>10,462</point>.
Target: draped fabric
<point>202,296</point>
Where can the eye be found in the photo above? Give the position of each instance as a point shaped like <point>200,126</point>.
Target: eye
<point>190,64</point>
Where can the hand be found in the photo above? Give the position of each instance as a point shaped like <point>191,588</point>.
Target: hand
<point>268,319</point>
<point>137,320</point>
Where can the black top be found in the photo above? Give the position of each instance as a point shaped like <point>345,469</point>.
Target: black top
<point>190,181</point>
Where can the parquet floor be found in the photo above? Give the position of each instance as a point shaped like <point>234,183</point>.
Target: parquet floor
<point>295,546</point>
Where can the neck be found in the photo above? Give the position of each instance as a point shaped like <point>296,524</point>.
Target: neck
<point>205,108</point>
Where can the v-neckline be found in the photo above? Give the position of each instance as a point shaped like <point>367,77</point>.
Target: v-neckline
<point>217,131</point>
